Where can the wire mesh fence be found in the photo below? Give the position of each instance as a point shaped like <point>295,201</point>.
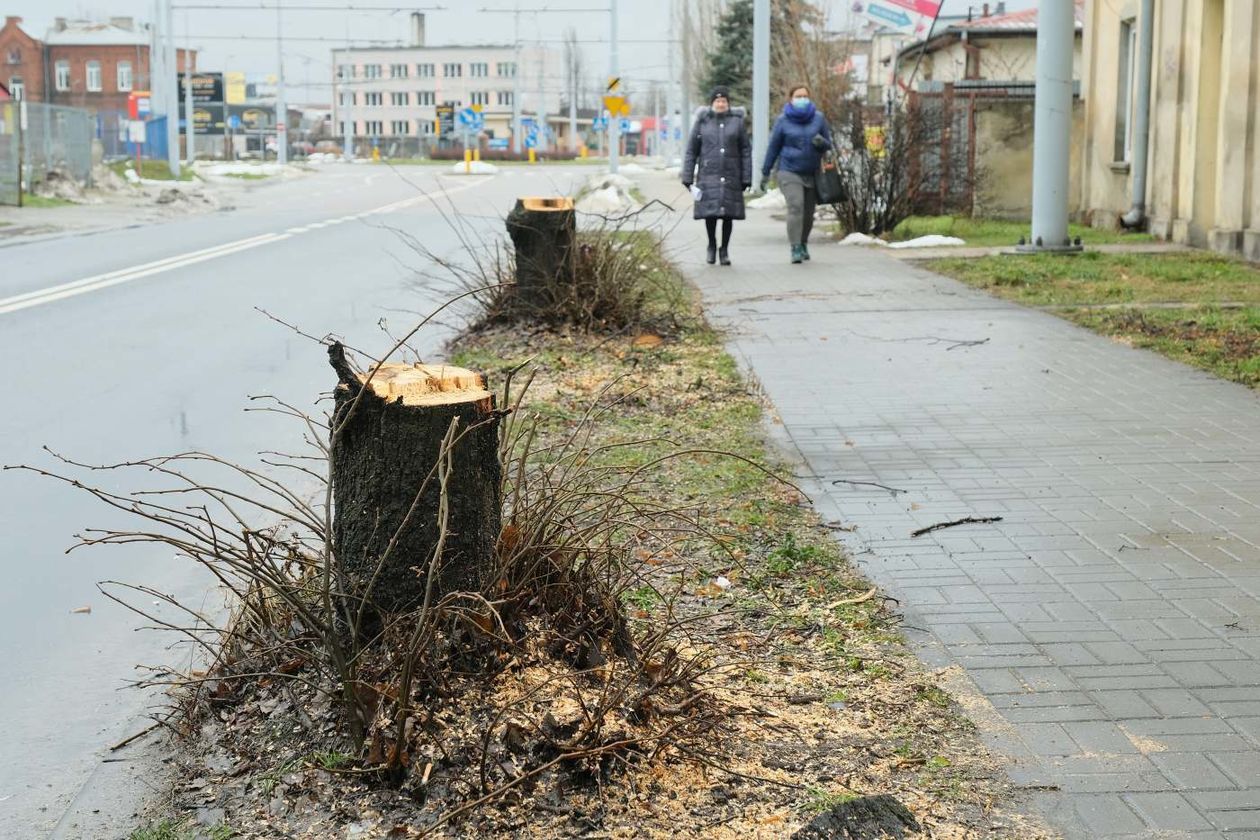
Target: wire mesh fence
<point>56,139</point>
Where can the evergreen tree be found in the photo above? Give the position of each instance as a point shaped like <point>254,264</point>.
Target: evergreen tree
<point>730,63</point>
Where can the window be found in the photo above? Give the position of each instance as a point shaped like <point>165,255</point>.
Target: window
<point>124,75</point>
<point>504,97</point>
<point>480,97</point>
<point>373,127</point>
<point>398,71</point>
<point>373,99</point>
<point>425,71</point>
<point>505,68</point>
<point>94,75</point>
<point>426,97</point>
<point>354,128</point>
<point>371,71</point>
<point>62,79</point>
<point>452,71</point>
<point>400,99</point>
<point>401,127</point>
<point>349,98</point>
<point>1124,91</point>
<point>16,86</point>
<point>15,55</point>
<point>479,69</point>
<point>345,71</point>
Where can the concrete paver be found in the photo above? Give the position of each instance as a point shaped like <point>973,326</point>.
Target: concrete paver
<point>1113,615</point>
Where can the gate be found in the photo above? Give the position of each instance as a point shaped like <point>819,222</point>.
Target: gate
<point>10,154</point>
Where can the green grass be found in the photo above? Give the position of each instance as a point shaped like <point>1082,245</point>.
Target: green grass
<point>997,232</point>
<point>247,176</point>
<point>154,170</point>
<point>29,200</point>
<point>181,830</point>
<point>1120,295</point>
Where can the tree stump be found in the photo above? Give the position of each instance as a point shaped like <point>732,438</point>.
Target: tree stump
<point>544,235</point>
<point>389,444</point>
<point>860,819</point>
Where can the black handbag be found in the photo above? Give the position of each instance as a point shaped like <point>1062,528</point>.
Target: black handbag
<point>829,185</point>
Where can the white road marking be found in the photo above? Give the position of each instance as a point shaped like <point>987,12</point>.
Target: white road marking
<point>97,282</point>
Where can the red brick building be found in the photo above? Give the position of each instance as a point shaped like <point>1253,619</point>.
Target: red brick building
<point>84,64</point>
<point>21,62</point>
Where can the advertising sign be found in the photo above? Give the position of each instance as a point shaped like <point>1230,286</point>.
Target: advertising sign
<point>209,119</point>
<point>252,118</point>
<point>207,88</point>
<point>234,88</point>
<point>445,119</point>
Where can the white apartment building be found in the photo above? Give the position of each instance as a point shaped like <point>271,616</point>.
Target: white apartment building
<point>392,94</point>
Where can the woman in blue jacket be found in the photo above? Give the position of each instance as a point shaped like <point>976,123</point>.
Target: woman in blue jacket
<point>800,137</point>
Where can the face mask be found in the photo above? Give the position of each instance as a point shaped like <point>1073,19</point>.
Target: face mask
<point>800,103</point>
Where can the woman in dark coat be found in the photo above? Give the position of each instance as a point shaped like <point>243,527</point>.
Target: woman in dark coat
<point>719,163</point>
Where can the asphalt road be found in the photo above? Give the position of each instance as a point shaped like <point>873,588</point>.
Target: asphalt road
<point>146,341</point>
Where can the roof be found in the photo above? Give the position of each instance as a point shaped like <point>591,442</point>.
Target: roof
<point>91,33</point>
<point>1013,24</point>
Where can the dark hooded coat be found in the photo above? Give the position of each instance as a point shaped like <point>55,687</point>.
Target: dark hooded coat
<point>719,162</point>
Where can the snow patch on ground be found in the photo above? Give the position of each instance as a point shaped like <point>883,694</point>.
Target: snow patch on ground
<point>772,200</point>
<point>224,169</point>
<point>476,167</point>
<point>607,201</point>
<point>931,241</point>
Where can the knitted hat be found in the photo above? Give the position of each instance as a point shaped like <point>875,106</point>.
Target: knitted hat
<point>719,91</point>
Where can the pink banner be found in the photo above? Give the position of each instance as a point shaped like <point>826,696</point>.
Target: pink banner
<point>927,8</point>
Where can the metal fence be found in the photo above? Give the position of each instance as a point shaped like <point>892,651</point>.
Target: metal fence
<point>56,139</point>
<point>10,153</point>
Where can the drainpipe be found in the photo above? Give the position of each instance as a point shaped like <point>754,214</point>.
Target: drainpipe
<point>1142,118</point>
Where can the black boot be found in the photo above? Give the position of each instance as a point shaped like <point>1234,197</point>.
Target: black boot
<point>724,257</point>
<point>712,255</point>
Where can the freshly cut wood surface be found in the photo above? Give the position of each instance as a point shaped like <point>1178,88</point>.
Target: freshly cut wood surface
<point>418,384</point>
<point>544,204</point>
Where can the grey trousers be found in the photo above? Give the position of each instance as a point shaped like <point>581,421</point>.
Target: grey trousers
<point>802,199</point>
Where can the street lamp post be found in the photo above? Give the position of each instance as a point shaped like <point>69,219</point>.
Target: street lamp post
<point>761,79</point>
<point>1052,128</point>
<point>614,120</point>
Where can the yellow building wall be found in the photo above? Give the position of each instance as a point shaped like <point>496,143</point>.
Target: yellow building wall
<point>1203,166</point>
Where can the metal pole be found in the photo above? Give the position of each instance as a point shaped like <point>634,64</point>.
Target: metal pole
<point>542,105</point>
<point>190,130</point>
<point>282,110</point>
<point>656,116</point>
<point>347,116</point>
<point>573,89</point>
<point>1142,114</point>
<point>170,105</point>
<point>1052,126</point>
<point>685,122</point>
<point>516,80</point>
<point>614,120</point>
<point>761,80</point>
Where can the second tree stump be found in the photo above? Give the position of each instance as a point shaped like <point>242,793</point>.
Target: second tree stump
<point>384,529</point>
<point>544,236</point>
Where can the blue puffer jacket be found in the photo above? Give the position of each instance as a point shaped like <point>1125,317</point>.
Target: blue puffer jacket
<point>791,142</point>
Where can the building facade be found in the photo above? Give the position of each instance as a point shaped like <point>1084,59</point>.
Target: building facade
<point>999,48</point>
<point>84,64</point>
<point>23,69</point>
<point>393,94</point>
<point>1203,183</point>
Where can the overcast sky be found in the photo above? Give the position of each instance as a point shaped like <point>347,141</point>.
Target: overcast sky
<point>245,40</point>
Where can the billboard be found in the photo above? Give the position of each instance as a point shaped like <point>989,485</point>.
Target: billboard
<point>207,88</point>
<point>253,118</point>
<point>234,88</point>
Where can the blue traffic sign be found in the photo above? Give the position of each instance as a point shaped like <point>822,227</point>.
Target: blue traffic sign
<point>470,119</point>
<point>894,16</point>
<point>234,122</point>
<point>624,126</point>
<point>531,141</point>
<point>599,124</point>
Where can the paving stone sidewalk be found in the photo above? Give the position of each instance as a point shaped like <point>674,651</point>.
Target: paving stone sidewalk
<point>1112,618</point>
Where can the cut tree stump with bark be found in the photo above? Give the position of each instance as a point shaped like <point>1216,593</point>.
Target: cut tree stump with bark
<point>544,235</point>
<point>387,440</point>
